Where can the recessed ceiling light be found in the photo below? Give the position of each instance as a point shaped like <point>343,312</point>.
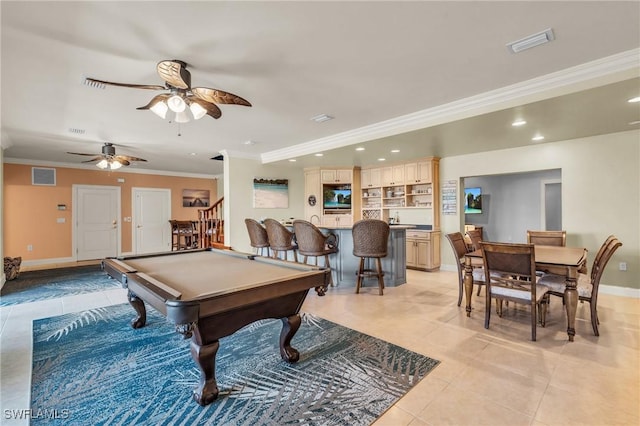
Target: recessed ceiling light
<point>636,99</point>
<point>531,41</point>
<point>381,159</point>
<point>293,160</point>
<point>319,154</point>
<point>360,148</point>
<point>518,123</point>
<point>537,138</point>
<point>249,142</point>
<point>321,118</point>
<point>193,153</point>
<point>395,151</point>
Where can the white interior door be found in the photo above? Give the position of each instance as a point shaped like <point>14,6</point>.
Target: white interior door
<point>151,214</point>
<point>96,210</point>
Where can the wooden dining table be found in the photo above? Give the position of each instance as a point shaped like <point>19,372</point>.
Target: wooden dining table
<point>565,261</point>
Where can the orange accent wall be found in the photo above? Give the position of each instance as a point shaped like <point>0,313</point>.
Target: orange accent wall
<point>30,212</point>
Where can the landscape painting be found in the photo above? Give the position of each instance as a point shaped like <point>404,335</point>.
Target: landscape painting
<point>270,193</point>
<point>195,198</point>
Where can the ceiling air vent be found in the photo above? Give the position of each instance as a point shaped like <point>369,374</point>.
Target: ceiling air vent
<point>43,176</point>
<point>531,41</point>
<point>218,157</point>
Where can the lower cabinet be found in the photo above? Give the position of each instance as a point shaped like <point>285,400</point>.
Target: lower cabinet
<point>337,220</point>
<point>423,250</point>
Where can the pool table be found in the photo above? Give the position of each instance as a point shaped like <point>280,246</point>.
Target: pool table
<point>212,293</point>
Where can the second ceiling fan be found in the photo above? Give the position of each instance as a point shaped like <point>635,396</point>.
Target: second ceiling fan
<point>185,101</point>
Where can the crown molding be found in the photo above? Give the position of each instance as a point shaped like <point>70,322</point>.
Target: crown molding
<point>602,71</point>
<point>26,162</point>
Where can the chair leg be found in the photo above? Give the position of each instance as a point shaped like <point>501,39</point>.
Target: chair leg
<point>380,275</point>
<point>460,289</point>
<point>594,318</point>
<point>534,320</point>
<point>295,256</point>
<point>487,313</point>
<point>328,265</point>
<point>479,288</point>
<point>360,270</point>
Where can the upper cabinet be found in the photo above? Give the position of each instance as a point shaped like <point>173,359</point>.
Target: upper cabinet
<point>336,175</point>
<point>370,178</point>
<point>393,175</point>
<point>418,172</point>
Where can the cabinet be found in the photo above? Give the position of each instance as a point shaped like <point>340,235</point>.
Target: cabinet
<point>393,175</point>
<point>418,172</point>
<point>423,250</point>
<point>312,195</point>
<point>336,176</point>
<point>337,220</point>
<point>370,178</point>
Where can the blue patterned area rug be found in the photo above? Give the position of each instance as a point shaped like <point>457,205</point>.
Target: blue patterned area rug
<point>33,286</point>
<point>93,368</point>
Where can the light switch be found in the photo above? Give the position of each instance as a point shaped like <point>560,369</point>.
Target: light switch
<point>61,220</point>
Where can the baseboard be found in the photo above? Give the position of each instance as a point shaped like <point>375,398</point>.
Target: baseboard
<point>620,291</point>
<point>61,262</point>
<point>613,290</point>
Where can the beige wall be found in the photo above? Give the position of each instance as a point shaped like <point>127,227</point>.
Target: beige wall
<point>238,201</point>
<point>600,192</point>
<point>30,212</point>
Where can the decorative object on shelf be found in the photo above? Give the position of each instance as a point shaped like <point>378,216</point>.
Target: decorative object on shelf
<point>183,102</point>
<point>312,200</point>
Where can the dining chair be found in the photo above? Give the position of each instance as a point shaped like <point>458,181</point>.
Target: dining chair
<point>475,235</point>
<point>587,285</point>
<point>258,237</point>
<point>281,240</point>
<point>510,275</point>
<point>547,238</point>
<point>312,242</point>
<point>370,240</point>
<point>459,247</point>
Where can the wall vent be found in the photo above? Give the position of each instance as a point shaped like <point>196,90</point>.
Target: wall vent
<point>43,176</point>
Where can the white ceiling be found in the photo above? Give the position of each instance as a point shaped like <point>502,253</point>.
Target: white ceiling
<point>428,78</point>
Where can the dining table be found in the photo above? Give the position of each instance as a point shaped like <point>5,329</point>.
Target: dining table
<point>567,261</point>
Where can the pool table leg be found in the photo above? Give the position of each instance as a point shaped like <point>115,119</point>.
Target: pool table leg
<point>138,305</point>
<point>205,358</point>
<point>290,326</point>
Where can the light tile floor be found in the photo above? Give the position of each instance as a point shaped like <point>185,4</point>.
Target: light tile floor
<point>496,376</point>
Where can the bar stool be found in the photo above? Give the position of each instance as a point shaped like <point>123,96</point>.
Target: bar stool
<point>258,236</point>
<point>370,239</point>
<point>280,239</point>
<point>313,242</point>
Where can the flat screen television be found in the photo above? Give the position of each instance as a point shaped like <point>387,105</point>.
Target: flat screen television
<point>472,200</point>
<point>336,198</point>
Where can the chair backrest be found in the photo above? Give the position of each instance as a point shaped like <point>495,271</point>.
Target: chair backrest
<point>510,265</point>
<point>602,250</point>
<point>311,241</point>
<point>184,227</point>
<point>257,233</point>
<point>610,246</point>
<point>370,238</point>
<point>280,238</point>
<point>475,235</point>
<point>459,247</point>
<point>547,238</point>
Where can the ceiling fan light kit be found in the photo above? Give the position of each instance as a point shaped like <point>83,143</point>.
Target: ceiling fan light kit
<point>107,159</point>
<point>200,100</point>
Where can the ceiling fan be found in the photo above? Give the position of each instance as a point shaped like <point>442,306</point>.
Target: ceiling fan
<point>108,158</point>
<point>184,101</point>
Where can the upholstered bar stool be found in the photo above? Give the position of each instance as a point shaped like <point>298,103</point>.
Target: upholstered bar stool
<point>258,236</point>
<point>280,239</point>
<point>370,239</point>
<point>313,242</point>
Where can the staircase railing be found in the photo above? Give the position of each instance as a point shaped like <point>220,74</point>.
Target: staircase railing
<point>212,225</point>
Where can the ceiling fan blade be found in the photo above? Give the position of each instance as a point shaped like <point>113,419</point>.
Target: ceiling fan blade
<point>175,73</point>
<point>128,158</point>
<point>99,157</point>
<point>155,100</point>
<point>133,86</point>
<point>122,160</point>
<point>79,153</point>
<point>212,109</point>
<point>218,96</point>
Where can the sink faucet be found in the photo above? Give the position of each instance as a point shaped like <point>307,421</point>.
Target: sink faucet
<point>316,216</point>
